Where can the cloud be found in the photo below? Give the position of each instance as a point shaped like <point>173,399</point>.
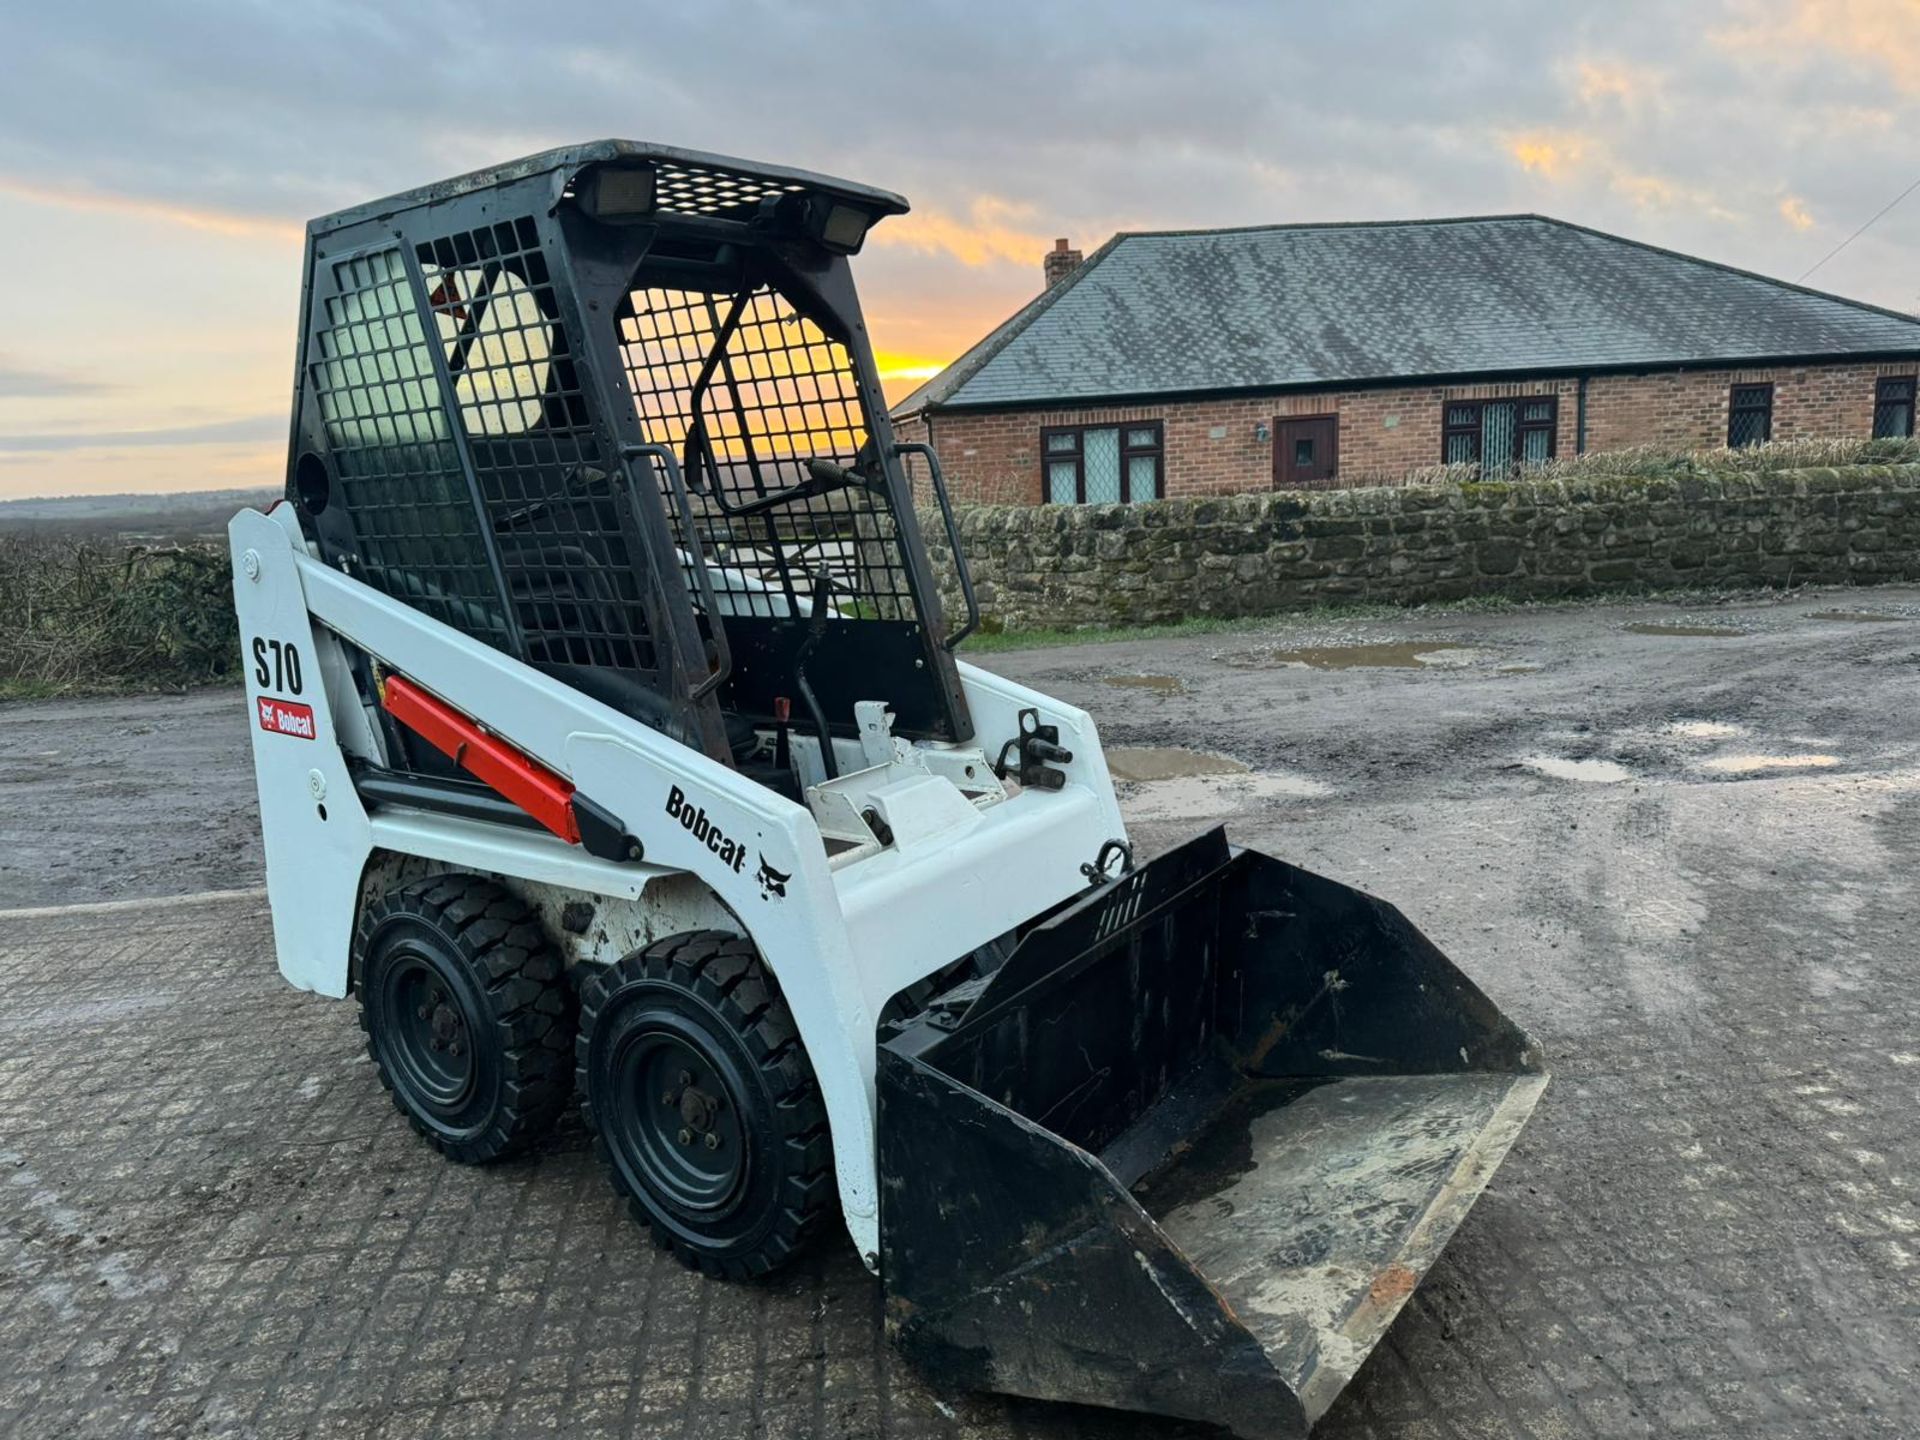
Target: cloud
<point>20,383</point>
<point>1882,35</point>
<point>196,132</point>
<point>1660,192</point>
<point>248,430</point>
<point>1794,211</point>
<point>1602,82</point>
<point>1564,157</point>
<point>989,233</point>
<point>1552,155</point>
<point>218,222</point>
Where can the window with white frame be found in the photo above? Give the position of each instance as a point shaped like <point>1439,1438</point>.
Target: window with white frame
<point>1496,435</point>
<point>1102,464</point>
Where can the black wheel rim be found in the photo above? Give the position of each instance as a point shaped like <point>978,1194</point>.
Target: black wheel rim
<point>679,1122</point>
<point>429,1033</point>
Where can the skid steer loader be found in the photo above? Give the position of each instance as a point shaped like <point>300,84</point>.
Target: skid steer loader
<point>610,743</point>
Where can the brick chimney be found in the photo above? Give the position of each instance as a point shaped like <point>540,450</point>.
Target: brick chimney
<point>1060,262</point>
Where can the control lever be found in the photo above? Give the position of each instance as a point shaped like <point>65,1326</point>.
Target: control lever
<point>782,713</point>
<point>816,631</point>
<point>825,475</point>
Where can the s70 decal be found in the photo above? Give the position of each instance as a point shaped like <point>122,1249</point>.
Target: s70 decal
<point>276,665</point>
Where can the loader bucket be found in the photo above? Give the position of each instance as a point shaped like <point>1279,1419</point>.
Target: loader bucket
<point>1192,1146</point>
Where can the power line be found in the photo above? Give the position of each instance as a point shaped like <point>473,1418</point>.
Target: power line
<point>1863,229</point>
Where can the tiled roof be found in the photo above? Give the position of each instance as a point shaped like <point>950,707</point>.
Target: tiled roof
<point>1307,305</point>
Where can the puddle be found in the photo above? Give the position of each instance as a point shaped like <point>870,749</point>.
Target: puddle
<point>1167,762</point>
<point>1518,670</point>
<point>1178,784</point>
<point>1704,730</point>
<point>1751,764</point>
<point>1193,796</point>
<point>1587,772</point>
<point>1397,655</point>
<point>1856,617</point>
<point>1158,684</point>
<point>1703,632</point>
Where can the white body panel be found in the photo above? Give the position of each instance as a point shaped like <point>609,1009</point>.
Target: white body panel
<point>841,939</point>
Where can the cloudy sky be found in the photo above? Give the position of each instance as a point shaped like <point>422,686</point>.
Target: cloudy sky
<point>158,159</point>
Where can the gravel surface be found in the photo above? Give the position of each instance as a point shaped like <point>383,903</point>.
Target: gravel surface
<point>1684,861</point>
<point>131,796</point>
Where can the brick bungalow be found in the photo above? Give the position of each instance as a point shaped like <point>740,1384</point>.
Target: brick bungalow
<point>1311,356</point>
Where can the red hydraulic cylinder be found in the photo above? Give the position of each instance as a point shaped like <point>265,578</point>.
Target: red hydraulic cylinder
<point>545,796</point>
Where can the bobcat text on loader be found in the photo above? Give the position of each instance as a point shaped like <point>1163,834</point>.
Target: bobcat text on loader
<point>610,742</point>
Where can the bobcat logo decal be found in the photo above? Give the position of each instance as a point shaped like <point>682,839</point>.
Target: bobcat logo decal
<point>773,883</point>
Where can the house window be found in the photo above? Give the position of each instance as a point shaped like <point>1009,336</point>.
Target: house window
<point>1893,408</point>
<point>1749,416</point>
<point>1496,435</point>
<point>1102,464</point>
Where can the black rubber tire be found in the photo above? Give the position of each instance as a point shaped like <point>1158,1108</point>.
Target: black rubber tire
<point>471,956</point>
<point>746,1206</point>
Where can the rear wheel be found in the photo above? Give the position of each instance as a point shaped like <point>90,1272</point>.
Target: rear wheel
<point>467,1014</point>
<point>705,1107</point>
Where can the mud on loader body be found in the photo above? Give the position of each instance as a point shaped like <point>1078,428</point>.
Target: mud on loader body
<point>610,743</point>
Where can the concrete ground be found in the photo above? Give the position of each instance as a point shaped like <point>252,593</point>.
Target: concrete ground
<point>1684,861</point>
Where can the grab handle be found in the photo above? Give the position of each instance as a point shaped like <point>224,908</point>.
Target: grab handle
<point>914,447</point>
<point>690,535</point>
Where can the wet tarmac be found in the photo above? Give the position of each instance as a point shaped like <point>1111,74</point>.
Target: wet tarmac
<point>1157,684</point>
<point>1708,1229</point>
<point>1689,632</point>
<point>1387,655</point>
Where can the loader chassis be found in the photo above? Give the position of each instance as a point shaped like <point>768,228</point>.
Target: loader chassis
<point>603,701</point>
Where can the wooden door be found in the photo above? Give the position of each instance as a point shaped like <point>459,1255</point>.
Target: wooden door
<point>1306,452</point>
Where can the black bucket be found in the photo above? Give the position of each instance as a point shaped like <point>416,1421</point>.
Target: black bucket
<point>1191,1148</point>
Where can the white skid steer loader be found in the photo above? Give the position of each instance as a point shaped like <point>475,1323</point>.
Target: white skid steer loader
<point>610,744</point>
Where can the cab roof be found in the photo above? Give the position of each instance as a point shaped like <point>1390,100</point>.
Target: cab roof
<point>688,182</point>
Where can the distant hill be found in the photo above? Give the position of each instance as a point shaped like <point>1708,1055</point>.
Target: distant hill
<point>186,515</point>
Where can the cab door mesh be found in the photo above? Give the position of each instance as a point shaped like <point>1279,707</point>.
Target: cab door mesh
<point>746,390</point>
<point>468,465</point>
<point>395,455</point>
<point>557,510</point>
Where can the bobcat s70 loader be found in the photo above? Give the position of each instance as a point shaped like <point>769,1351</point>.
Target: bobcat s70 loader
<point>610,744</point>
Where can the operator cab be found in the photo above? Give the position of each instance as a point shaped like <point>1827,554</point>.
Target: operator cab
<point>613,410</point>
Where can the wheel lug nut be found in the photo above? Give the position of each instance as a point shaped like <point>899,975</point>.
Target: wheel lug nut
<point>423,1012</point>
<point>666,1098</point>
<point>434,1043</point>
<point>713,1140</point>
<point>686,1077</point>
<point>454,1048</point>
<point>686,1137</point>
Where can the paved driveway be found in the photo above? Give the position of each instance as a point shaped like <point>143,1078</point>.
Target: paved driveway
<point>212,1223</point>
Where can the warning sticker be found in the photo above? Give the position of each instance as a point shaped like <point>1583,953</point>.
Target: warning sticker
<point>286,717</point>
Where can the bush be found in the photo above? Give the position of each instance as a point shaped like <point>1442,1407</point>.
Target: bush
<point>83,615</point>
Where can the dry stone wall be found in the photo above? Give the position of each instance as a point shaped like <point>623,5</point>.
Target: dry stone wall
<point>1045,566</point>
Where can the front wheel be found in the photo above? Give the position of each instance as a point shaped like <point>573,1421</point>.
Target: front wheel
<point>705,1107</point>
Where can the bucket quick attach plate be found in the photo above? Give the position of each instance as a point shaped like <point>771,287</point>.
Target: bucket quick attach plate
<point>1192,1147</point>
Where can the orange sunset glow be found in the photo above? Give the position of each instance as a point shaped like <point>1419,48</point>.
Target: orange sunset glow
<point>150,232</point>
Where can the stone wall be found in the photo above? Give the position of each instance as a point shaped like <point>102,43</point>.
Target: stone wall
<point>1070,566</point>
<point>993,458</point>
